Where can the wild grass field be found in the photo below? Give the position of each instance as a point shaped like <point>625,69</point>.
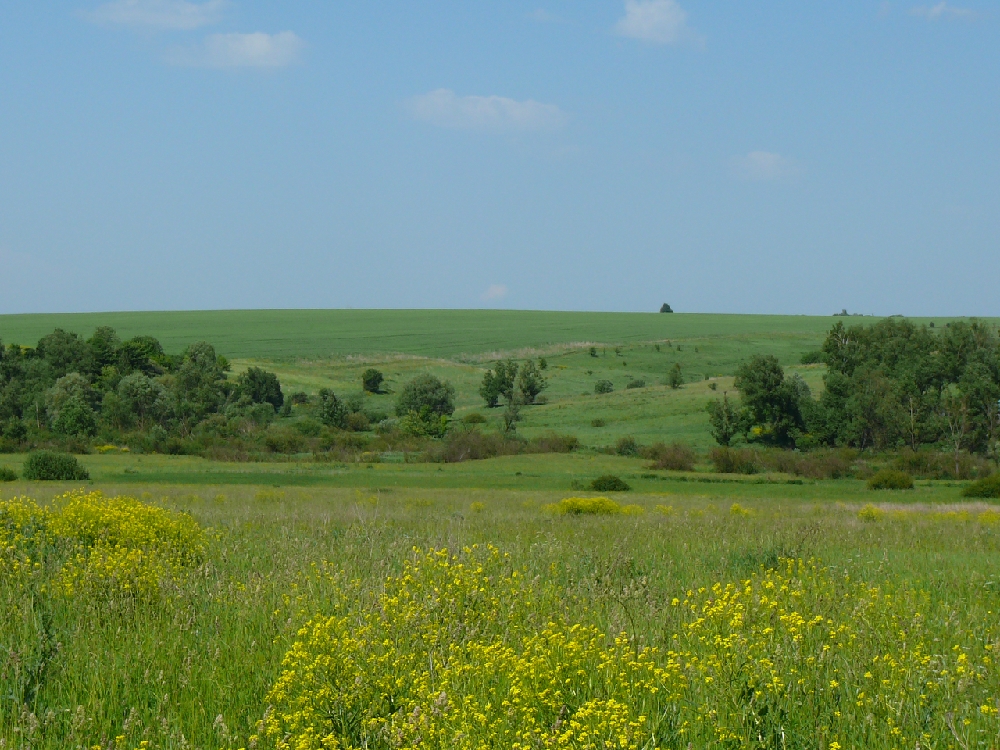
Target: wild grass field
<point>174,601</point>
<point>241,616</point>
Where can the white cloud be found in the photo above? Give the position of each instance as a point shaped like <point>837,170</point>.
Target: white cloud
<point>943,10</point>
<point>257,50</point>
<point>659,21</point>
<point>765,166</point>
<point>494,292</point>
<point>159,14</point>
<point>447,110</point>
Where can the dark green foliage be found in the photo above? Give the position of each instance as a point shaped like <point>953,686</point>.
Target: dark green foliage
<point>52,466</point>
<point>474,418</point>
<point>675,378</point>
<point>609,483</point>
<point>770,403</point>
<point>331,411</point>
<point>530,382</point>
<point>543,364</point>
<point>260,387</point>
<point>65,353</point>
<point>300,397</point>
<point>986,488</point>
<point>812,358</point>
<point>603,386</point>
<point>638,383</point>
<point>725,420</point>
<point>665,308</point>
<point>593,351</point>
<point>498,383</point>
<point>895,383</point>
<point>371,380</point>
<point>7,475</point>
<point>104,347</point>
<point>13,429</point>
<point>890,479</point>
<point>426,392</point>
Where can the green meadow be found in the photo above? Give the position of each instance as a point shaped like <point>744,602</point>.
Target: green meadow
<point>310,604</point>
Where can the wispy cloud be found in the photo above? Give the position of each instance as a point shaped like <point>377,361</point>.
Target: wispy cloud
<point>159,14</point>
<point>494,292</point>
<point>943,11</point>
<point>256,50</point>
<point>657,21</point>
<point>764,166</point>
<point>496,113</point>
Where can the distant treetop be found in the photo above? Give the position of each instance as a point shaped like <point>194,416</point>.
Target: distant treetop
<point>665,308</point>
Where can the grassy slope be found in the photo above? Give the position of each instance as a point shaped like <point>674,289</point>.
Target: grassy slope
<point>272,334</point>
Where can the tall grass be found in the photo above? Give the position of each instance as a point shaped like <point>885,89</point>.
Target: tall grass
<point>877,633</point>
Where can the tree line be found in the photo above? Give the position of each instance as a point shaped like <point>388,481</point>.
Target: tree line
<point>890,385</point>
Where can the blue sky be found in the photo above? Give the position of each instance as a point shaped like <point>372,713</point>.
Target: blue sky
<point>723,157</point>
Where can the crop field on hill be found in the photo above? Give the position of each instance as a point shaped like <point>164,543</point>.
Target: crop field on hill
<point>294,334</point>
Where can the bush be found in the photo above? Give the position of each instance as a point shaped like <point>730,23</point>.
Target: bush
<point>52,466</point>
<point>675,379</point>
<point>357,421</point>
<point>7,475</point>
<point>812,358</point>
<point>932,464</point>
<point>371,380</point>
<point>426,392</point>
<point>673,457</point>
<point>603,386</point>
<point>988,487</point>
<point>598,422</point>
<point>552,443</point>
<point>609,483</point>
<point>474,418</point>
<point>734,461</point>
<point>890,479</point>
<point>627,446</point>
<point>638,383</point>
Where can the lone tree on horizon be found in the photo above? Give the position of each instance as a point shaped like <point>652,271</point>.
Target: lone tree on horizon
<point>665,308</point>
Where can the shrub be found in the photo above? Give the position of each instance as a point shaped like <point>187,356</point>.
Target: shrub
<point>261,387</point>
<point>598,422</point>
<point>603,386</point>
<point>357,421</point>
<point>734,461</point>
<point>609,483</point>
<point>332,412</point>
<point>932,464</point>
<point>675,379</point>
<point>987,487</point>
<point>890,479</point>
<point>812,358</point>
<point>7,475</point>
<point>52,466</point>
<point>591,506</point>
<point>638,383</point>
<point>474,418</point>
<point>371,380</point>
<point>300,397</point>
<point>673,457</point>
<point>426,392</point>
<point>627,446</point>
<point>553,443</point>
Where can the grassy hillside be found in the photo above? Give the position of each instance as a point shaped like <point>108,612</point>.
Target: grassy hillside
<point>273,334</point>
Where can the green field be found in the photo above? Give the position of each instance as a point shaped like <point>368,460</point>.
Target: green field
<point>295,334</point>
<point>247,604</point>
